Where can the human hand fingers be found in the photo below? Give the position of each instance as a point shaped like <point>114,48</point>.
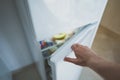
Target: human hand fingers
<point>72,60</point>
<point>75,61</point>
<point>83,55</point>
<point>74,46</point>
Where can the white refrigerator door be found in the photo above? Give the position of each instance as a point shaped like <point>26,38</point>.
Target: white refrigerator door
<point>62,70</point>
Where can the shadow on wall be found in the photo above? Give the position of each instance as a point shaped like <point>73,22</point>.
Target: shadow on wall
<point>111,17</point>
<point>116,54</point>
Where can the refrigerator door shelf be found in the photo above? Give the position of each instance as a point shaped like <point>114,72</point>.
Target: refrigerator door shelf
<point>65,49</point>
<point>51,67</point>
<point>58,65</point>
<point>46,52</point>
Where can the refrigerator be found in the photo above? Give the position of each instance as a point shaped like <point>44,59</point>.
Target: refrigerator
<point>40,20</point>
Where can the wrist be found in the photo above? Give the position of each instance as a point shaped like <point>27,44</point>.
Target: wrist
<point>94,60</point>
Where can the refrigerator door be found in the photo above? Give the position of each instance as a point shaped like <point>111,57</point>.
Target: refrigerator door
<point>66,71</point>
<point>60,69</point>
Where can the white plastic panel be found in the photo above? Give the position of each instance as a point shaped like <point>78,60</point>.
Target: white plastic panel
<point>67,71</point>
<point>55,16</point>
<point>62,70</point>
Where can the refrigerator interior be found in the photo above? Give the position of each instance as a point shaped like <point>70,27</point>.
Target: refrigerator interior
<point>65,16</point>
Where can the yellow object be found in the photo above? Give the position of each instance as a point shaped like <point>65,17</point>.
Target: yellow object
<point>59,36</point>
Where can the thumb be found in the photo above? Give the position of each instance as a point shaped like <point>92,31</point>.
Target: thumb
<point>72,60</point>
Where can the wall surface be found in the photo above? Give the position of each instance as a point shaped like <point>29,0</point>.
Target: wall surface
<point>111,17</point>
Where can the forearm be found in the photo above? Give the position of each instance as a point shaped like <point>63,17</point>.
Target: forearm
<point>87,57</point>
<point>108,70</point>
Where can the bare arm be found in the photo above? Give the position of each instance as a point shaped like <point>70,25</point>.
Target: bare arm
<point>87,57</point>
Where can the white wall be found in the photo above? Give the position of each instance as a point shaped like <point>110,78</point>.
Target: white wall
<point>111,18</point>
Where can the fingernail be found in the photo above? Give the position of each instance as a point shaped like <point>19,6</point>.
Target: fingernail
<point>75,45</point>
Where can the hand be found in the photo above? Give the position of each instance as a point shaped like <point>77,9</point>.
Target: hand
<point>83,55</point>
